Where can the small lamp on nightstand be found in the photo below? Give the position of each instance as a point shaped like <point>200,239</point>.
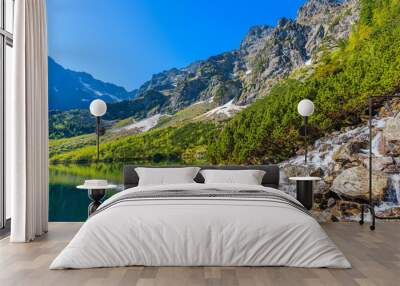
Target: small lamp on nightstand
<point>305,109</point>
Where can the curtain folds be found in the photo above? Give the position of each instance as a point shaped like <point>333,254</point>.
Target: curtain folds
<point>27,120</point>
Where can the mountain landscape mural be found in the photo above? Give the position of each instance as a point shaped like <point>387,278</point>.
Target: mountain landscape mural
<point>239,107</point>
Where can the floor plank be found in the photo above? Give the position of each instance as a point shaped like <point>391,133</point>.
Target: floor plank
<point>375,257</point>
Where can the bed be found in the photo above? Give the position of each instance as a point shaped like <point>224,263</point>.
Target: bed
<point>198,224</point>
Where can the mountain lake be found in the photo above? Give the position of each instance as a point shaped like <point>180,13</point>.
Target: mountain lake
<point>66,202</point>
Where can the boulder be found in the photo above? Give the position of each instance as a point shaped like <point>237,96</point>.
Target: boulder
<point>390,106</point>
<point>321,187</point>
<point>348,152</point>
<point>317,172</point>
<point>379,163</point>
<point>337,168</point>
<point>391,135</point>
<point>392,148</point>
<point>391,131</point>
<point>353,183</point>
<point>328,179</point>
<point>331,202</point>
<point>393,212</point>
<point>291,170</point>
<point>296,170</point>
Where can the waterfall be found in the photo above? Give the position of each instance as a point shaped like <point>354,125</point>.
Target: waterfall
<point>393,193</point>
<point>375,144</point>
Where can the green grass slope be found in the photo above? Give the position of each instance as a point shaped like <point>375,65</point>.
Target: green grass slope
<point>185,144</point>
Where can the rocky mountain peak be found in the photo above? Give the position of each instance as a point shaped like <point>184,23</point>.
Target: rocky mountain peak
<point>282,22</point>
<point>272,53</point>
<point>255,35</point>
<point>314,8</point>
<point>70,89</point>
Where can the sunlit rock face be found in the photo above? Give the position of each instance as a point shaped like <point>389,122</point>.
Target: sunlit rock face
<point>271,53</point>
<point>391,137</point>
<point>329,21</point>
<point>341,160</point>
<point>353,183</point>
<point>266,55</point>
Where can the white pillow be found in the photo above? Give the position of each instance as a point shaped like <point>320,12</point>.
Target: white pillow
<point>166,176</point>
<point>248,177</point>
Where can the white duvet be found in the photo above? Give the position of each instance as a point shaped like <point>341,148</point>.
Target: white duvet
<point>200,231</point>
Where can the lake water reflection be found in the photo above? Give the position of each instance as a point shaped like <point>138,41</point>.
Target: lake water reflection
<point>66,202</point>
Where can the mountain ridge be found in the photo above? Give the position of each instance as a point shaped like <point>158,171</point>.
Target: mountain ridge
<point>265,56</point>
<point>82,86</point>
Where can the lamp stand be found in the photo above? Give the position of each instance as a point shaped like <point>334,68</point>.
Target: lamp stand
<point>305,139</point>
<point>98,137</point>
<point>370,205</point>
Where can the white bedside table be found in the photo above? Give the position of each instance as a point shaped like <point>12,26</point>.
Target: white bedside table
<point>304,190</point>
<point>96,193</point>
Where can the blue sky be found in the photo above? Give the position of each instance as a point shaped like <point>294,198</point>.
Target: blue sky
<point>126,41</point>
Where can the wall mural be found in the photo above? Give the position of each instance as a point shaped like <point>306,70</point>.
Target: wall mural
<point>240,107</point>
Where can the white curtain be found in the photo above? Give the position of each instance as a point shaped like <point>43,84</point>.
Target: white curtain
<point>27,124</point>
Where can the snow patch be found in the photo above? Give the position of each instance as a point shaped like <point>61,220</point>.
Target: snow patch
<point>248,72</point>
<point>142,125</point>
<point>88,87</point>
<point>198,102</point>
<point>98,93</point>
<point>114,98</point>
<point>308,62</point>
<point>228,109</point>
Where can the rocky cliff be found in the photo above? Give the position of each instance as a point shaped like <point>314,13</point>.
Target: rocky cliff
<point>320,25</point>
<point>266,55</point>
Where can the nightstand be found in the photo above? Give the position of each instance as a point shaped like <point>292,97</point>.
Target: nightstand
<point>304,190</point>
<point>96,191</point>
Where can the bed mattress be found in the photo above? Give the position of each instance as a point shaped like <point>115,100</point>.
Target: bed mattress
<point>201,225</point>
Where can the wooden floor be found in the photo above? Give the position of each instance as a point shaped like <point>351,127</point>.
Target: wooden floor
<point>375,257</point>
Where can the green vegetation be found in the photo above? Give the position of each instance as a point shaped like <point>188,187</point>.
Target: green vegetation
<point>82,148</point>
<point>368,63</point>
<point>187,114</point>
<point>124,122</point>
<point>58,146</point>
<point>70,123</point>
<point>185,144</point>
<point>219,94</point>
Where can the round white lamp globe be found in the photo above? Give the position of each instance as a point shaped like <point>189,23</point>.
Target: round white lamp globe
<point>98,107</point>
<point>305,107</point>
